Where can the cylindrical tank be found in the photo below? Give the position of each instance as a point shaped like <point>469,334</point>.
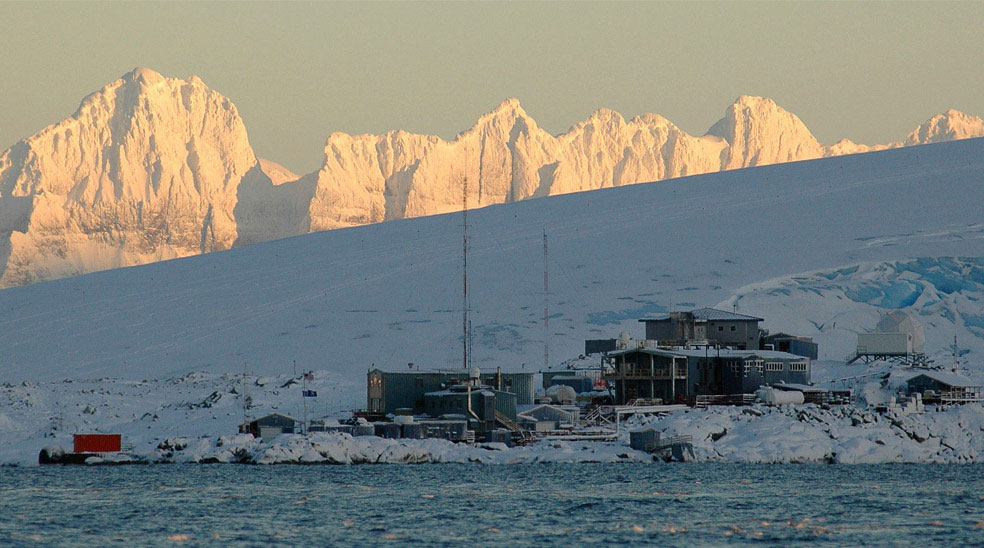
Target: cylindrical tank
<point>771,396</point>
<point>561,394</point>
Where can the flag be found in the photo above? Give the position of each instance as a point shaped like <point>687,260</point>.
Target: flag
<point>309,394</point>
<point>309,376</point>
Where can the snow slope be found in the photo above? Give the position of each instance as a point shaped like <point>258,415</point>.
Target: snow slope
<point>389,294</point>
<point>151,168</point>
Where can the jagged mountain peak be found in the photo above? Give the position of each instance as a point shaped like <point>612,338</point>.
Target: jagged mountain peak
<point>947,126</point>
<point>152,167</point>
<point>754,109</point>
<point>146,169</point>
<point>144,75</point>
<point>507,111</point>
<point>760,132</point>
<point>755,101</point>
<point>654,120</point>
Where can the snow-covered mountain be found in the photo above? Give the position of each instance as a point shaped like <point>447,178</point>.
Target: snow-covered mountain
<point>146,169</point>
<point>152,168</point>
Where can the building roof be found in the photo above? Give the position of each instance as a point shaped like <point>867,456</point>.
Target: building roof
<point>799,387</point>
<point>482,391</point>
<point>711,314</point>
<point>781,335</point>
<point>272,415</point>
<point>722,315</point>
<point>949,379</point>
<point>710,353</point>
<point>448,372</point>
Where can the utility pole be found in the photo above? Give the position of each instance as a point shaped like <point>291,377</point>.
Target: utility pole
<point>303,399</point>
<point>546,306</point>
<point>244,397</point>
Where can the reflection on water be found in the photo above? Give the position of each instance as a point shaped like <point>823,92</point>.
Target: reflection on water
<point>528,505</point>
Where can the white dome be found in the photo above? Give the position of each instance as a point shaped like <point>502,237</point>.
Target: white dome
<point>475,373</point>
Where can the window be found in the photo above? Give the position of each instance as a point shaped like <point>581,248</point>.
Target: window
<point>732,328</point>
<point>735,366</point>
<point>797,366</point>
<point>720,328</point>
<point>420,383</point>
<point>773,366</point>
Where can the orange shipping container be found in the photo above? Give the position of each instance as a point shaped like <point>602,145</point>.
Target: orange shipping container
<point>97,443</point>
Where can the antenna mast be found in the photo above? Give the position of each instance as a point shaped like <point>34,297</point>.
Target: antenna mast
<point>546,305</point>
<point>465,331</point>
<point>245,404</point>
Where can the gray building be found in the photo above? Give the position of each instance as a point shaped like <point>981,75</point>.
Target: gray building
<point>704,326</point>
<point>546,417</point>
<point>944,387</point>
<point>676,374</point>
<point>784,342</point>
<point>482,406</point>
<point>388,391</point>
<point>270,426</point>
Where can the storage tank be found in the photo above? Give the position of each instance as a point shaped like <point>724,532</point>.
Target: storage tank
<point>771,396</point>
<point>562,394</point>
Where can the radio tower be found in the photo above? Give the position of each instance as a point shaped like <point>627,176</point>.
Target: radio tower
<point>546,306</point>
<point>465,331</point>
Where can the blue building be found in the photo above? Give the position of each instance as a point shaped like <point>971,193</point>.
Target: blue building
<point>784,342</point>
<point>386,392</point>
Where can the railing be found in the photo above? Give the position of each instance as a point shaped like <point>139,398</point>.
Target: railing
<point>506,421</point>
<point>638,402</point>
<point>645,373</point>
<point>723,399</point>
<point>600,415</point>
<point>960,396</point>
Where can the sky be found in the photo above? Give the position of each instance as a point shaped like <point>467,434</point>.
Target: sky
<point>297,72</point>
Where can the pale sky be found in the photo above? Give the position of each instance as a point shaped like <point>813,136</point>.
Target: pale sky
<point>297,72</point>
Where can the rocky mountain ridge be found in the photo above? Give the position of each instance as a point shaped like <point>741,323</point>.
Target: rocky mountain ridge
<point>151,168</point>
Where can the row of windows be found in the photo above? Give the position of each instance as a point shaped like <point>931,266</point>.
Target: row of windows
<point>739,367</point>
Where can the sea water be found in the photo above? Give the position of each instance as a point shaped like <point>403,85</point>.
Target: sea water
<point>481,505</point>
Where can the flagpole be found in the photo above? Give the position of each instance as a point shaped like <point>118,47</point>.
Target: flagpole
<point>304,401</point>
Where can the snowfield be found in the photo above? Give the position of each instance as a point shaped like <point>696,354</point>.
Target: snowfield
<point>818,248</point>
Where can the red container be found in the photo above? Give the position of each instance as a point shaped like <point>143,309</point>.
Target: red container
<point>97,443</point>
